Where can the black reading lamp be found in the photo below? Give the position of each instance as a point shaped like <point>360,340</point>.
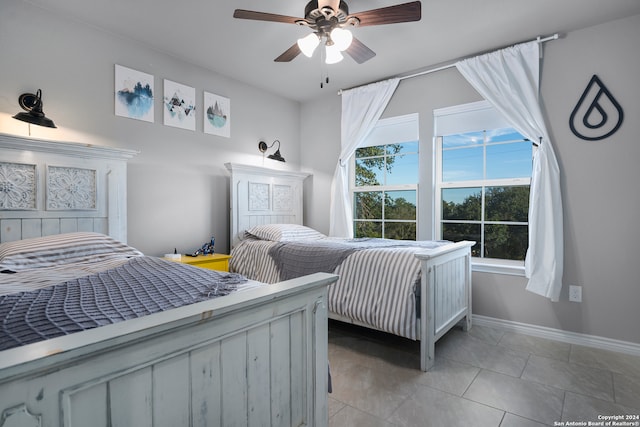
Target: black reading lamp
<point>262,146</point>
<point>32,104</point>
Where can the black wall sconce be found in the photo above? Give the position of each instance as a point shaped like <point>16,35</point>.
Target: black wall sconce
<point>32,104</point>
<point>262,146</point>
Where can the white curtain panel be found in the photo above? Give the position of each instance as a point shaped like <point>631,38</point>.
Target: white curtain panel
<point>509,80</point>
<point>361,110</point>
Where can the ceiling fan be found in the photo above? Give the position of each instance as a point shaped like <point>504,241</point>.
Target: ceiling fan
<point>329,20</point>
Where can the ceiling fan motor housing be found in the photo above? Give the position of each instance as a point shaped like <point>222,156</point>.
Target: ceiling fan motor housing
<point>314,15</point>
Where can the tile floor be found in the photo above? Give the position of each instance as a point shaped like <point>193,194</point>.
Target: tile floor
<point>486,377</point>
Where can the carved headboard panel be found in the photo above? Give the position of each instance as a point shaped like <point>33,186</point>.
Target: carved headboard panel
<point>49,187</point>
<point>263,196</point>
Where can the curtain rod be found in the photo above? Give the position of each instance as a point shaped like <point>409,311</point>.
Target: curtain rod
<point>452,63</point>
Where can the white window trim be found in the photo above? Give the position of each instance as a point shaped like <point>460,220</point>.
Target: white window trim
<point>391,131</point>
<point>497,266</point>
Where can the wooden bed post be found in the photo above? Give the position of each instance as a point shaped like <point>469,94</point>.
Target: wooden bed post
<point>445,297</point>
<point>427,338</point>
<point>321,353</point>
<point>469,291</point>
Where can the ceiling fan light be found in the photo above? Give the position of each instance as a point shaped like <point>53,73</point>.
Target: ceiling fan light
<point>308,44</point>
<point>341,38</point>
<point>333,55</point>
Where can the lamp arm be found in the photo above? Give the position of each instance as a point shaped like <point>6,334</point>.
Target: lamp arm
<point>262,146</point>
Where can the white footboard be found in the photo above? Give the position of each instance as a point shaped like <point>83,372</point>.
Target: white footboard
<point>257,357</point>
<point>445,297</point>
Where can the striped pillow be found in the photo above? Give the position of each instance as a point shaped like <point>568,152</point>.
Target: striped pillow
<point>285,232</point>
<point>60,249</point>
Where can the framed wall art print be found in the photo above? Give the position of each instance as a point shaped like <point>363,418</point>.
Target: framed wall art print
<point>217,115</point>
<point>179,105</point>
<point>133,94</point>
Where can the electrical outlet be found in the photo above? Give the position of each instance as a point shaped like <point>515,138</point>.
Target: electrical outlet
<point>575,293</point>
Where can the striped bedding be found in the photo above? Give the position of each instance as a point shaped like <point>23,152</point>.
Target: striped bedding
<point>377,285</point>
<point>61,257</point>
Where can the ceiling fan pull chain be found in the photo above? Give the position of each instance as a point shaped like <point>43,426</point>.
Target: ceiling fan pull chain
<point>322,68</point>
<point>326,80</point>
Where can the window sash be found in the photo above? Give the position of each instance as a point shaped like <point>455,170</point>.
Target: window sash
<point>389,131</point>
<point>384,219</point>
<point>481,184</point>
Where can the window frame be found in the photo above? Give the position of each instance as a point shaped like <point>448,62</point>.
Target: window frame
<point>476,116</point>
<point>387,131</point>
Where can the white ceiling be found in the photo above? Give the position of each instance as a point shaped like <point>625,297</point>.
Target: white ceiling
<point>206,34</point>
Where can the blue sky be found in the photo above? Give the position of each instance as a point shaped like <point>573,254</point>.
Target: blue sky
<point>508,155</point>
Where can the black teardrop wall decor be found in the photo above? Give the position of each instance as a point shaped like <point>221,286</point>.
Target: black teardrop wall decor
<point>597,115</point>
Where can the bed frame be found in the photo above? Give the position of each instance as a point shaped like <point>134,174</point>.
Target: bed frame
<point>263,196</point>
<point>98,201</point>
<point>256,357</point>
<point>446,271</point>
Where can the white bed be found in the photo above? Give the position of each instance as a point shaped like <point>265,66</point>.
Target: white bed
<point>377,287</point>
<point>253,357</point>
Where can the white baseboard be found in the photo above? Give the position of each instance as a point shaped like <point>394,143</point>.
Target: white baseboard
<point>559,335</point>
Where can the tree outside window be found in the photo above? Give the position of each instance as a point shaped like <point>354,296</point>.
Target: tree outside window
<point>385,191</point>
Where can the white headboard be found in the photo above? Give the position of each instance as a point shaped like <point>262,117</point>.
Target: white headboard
<point>49,187</point>
<point>263,196</point>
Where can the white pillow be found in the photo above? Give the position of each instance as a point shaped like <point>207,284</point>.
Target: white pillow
<point>285,232</point>
<point>60,249</point>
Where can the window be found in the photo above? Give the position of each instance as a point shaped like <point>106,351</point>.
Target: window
<point>385,181</point>
<point>483,174</point>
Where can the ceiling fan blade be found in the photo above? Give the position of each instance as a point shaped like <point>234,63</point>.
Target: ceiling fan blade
<point>262,16</point>
<point>359,52</point>
<point>405,12</point>
<point>289,54</point>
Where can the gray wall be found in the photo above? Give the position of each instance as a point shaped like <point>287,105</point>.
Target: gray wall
<point>178,186</point>
<point>599,181</point>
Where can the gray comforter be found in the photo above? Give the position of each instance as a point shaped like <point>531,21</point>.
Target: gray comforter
<point>141,286</point>
<point>296,259</point>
